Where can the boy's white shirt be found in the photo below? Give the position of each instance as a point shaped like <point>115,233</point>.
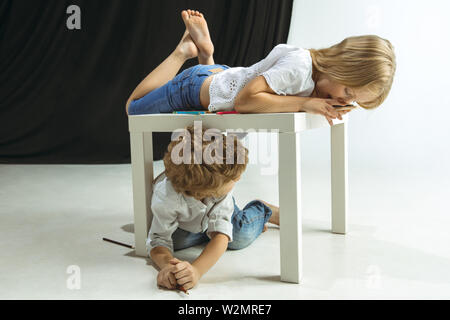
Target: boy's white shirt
<point>287,70</point>
<point>172,210</point>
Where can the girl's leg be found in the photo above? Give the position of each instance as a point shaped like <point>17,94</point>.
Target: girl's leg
<point>248,223</point>
<point>179,94</point>
<point>168,69</point>
<point>198,29</point>
<point>188,48</point>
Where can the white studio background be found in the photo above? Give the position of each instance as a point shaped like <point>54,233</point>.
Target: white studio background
<point>410,132</point>
<point>400,151</point>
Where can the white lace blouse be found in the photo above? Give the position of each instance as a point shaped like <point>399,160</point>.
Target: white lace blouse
<point>287,70</point>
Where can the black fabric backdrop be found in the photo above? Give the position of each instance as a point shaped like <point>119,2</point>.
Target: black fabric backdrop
<point>63,92</point>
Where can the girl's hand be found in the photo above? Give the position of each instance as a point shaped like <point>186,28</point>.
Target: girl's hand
<point>166,278</point>
<point>185,273</point>
<point>324,107</point>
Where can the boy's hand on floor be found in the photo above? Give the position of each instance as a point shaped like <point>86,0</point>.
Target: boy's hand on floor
<point>185,273</point>
<point>166,278</point>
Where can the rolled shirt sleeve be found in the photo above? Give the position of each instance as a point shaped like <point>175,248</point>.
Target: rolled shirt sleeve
<point>220,217</point>
<point>164,223</point>
<point>291,74</point>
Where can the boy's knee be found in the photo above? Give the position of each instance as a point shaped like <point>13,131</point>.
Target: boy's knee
<point>240,242</point>
<point>237,245</point>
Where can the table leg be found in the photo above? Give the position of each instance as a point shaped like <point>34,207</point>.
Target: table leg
<point>339,178</point>
<point>289,187</point>
<point>142,175</point>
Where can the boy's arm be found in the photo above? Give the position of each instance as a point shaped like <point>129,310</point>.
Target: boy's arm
<point>161,256</point>
<point>220,231</point>
<point>212,252</point>
<point>164,224</point>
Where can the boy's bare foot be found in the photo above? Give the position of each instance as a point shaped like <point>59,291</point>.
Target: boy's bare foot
<point>275,218</point>
<point>265,228</point>
<point>198,29</point>
<point>187,48</point>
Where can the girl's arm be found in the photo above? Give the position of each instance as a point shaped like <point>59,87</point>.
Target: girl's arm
<point>258,97</point>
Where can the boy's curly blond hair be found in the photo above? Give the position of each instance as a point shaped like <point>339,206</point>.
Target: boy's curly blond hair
<point>201,180</point>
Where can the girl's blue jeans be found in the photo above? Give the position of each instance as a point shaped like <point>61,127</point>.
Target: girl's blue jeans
<point>182,93</point>
<point>248,224</point>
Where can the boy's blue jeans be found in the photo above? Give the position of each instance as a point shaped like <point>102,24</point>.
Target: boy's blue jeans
<point>248,224</point>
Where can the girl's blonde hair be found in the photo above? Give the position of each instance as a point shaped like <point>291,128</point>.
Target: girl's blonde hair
<point>363,62</point>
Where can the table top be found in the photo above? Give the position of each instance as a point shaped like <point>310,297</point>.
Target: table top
<point>281,122</point>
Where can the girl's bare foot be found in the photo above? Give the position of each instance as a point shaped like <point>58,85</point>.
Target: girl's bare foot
<point>198,29</point>
<point>275,218</point>
<point>187,48</point>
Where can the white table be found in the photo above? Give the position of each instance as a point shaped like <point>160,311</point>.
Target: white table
<point>289,125</point>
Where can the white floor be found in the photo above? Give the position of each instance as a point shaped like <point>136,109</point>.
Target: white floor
<point>54,216</point>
